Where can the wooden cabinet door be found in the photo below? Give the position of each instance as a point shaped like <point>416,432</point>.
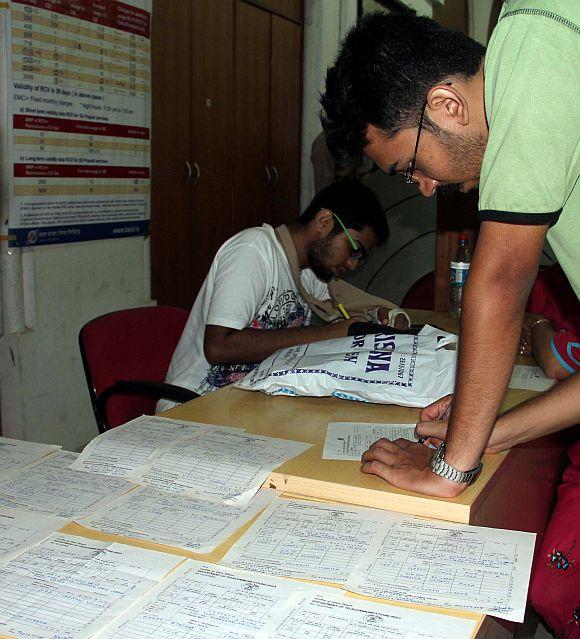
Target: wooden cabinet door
<point>252,116</point>
<point>212,132</point>
<point>170,134</point>
<point>285,119</point>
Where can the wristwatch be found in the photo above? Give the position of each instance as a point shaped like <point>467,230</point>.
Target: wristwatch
<point>440,467</point>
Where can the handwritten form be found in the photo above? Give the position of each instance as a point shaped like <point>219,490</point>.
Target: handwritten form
<point>129,449</point>
<point>185,522</point>
<point>50,486</point>
<point>20,530</point>
<point>437,563</point>
<point>72,587</point>
<point>308,540</point>
<point>15,454</point>
<point>205,601</point>
<point>530,378</point>
<point>221,466</point>
<point>349,440</point>
<point>333,616</point>
<point>199,460</point>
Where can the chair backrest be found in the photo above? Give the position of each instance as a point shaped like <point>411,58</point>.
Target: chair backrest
<point>421,294</point>
<point>133,344</point>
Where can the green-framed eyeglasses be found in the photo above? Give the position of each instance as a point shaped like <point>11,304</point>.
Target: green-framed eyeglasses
<point>357,250</point>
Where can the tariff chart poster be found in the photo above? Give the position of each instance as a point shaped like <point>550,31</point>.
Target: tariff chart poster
<point>79,119</point>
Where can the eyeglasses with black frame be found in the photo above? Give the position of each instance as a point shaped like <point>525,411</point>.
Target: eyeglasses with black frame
<point>411,166</point>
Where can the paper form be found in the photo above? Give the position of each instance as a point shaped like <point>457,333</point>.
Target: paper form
<point>530,378</point>
<point>334,616</point>
<point>185,522</point>
<point>220,465</point>
<point>50,486</point>
<point>308,540</point>
<point>436,563</point>
<point>70,587</point>
<point>205,601</point>
<point>20,530</point>
<point>15,454</point>
<point>132,447</point>
<point>349,440</point>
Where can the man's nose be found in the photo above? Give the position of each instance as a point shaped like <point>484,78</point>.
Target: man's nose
<point>427,185</point>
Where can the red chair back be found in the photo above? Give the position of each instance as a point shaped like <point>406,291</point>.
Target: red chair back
<point>133,344</point>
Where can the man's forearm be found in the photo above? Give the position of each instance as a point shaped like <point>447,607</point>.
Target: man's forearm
<point>500,278</point>
<point>548,413</point>
<point>251,346</point>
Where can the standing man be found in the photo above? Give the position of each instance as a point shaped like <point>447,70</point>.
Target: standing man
<point>430,104</point>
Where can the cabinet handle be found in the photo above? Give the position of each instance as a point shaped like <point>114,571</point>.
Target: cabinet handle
<point>197,173</point>
<point>267,177</point>
<point>188,172</point>
<point>276,176</point>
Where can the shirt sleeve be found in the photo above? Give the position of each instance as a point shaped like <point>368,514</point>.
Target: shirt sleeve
<point>531,96</point>
<point>241,276</point>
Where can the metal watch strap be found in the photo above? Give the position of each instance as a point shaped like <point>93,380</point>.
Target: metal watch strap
<point>440,467</point>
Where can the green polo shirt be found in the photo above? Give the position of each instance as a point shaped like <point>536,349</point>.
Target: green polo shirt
<point>531,167</point>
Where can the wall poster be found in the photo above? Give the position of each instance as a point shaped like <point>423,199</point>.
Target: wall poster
<point>79,119</point>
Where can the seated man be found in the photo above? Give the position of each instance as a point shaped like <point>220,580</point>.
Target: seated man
<point>256,283</point>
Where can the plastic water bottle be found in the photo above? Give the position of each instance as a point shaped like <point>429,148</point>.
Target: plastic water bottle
<point>458,274</point>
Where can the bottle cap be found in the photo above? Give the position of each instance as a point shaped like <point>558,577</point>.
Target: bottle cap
<point>463,237</point>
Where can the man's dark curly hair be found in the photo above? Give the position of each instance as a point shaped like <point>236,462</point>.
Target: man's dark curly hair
<point>355,204</point>
<point>383,73</point>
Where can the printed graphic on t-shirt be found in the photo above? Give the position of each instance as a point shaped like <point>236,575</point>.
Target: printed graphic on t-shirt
<point>285,310</point>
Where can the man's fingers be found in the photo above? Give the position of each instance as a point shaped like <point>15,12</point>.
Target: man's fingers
<point>436,430</point>
<point>436,410</point>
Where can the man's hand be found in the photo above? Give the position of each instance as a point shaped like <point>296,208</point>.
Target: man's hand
<point>401,322</point>
<point>406,465</point>
<point>339,328</point>
<point>437,411</point>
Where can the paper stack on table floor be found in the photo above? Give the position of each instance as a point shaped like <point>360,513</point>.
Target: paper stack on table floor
<point>391,556</point>
<point>209,462</point>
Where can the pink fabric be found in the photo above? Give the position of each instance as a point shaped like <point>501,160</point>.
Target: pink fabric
<point>555,587</point>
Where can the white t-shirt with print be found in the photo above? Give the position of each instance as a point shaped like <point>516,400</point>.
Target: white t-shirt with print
<point>249,284</point>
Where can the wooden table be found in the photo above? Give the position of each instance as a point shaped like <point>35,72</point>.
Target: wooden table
<point>515,490</point>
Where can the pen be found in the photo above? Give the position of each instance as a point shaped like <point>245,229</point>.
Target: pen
<point>343,310</point>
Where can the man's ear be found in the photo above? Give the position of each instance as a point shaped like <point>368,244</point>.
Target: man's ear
<point>323,222</point>
<point>447,105</point>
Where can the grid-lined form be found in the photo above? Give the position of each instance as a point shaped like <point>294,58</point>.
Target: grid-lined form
<point>20,530</point>
<point>307,540</point>
<point>51,486</point>
<point>220,465</point>
<point>205,601</point>
<point>327,616</point>
<point>126,450</point>
<point>15,454</point>
<point>450,565</point>
<point>194,524</point>
<point>69,586</point>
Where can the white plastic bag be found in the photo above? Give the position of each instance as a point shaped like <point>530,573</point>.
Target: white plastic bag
<point>408,370</point>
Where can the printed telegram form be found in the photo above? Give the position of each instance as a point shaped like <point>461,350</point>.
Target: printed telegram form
<point>349,440</point>
<point>50,486</point>
<point>307,540</point>
<point>193,524</point>
<point>20,530</point>
<point>15,454</point>
<point>220,465</point>
<point>129,449</point>
<point>69,586</point>
<point>435,563</point>
<point>327,615</point>
<point>205,601</point>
